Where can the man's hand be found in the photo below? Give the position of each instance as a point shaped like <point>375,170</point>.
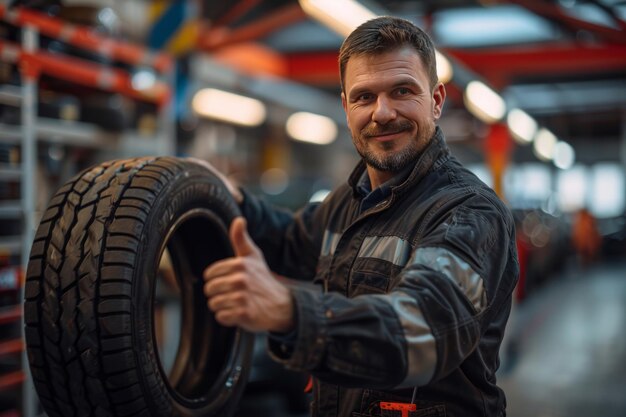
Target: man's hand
<point>242,291</point>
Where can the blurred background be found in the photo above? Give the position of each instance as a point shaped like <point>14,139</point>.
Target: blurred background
<point>536,107</point>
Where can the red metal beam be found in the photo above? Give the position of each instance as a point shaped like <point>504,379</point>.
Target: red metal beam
<point>12,346</point>
<point>504,65</point>
<point>80,72</point>
<point>11,380</point>
<point>86,38</point>
<point>320,68</point>
<point>239,9</point>
<point>9,315</point>
<point>501,65</point>
<point>217,37</point>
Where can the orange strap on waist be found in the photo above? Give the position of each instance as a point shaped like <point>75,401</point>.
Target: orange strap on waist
<point>402,407</point>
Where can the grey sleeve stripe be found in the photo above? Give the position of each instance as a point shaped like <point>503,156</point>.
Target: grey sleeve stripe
<point>329,243</point>
<point>456,269</point>
<point>388,248</point>
<point>421,349</point>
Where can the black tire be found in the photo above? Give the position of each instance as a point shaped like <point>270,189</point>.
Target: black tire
<point>90,294</point>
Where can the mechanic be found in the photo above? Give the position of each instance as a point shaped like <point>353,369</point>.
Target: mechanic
<point>414,256</point>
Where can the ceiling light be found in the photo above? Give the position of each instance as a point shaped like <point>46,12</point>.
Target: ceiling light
<point>342,16</point>
<point>229,107</point>
<point>544,144</point>
<point>564,155</point>
<point>522,126</point>
<point>311,128</point>
<point>444,68</point>
<point>483,102</point>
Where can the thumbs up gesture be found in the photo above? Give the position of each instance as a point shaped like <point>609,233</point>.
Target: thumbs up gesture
<point>243,292</point>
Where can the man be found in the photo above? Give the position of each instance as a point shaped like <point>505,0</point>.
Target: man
<point>415,256</point>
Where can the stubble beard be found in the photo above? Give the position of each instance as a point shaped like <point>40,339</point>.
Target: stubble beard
<point>387,161</point>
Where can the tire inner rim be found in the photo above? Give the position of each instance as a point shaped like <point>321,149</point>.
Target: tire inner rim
<point>197,356</point>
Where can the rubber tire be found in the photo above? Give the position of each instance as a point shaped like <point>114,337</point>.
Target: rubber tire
<point>90,289</point>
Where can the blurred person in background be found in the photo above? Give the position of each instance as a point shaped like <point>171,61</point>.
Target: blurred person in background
<point>414,257</point>
<point>586,239</point>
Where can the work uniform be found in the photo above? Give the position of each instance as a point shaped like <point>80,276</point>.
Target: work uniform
<point>414,290</point>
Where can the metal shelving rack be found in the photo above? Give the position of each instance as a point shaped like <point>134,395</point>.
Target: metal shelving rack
<point>32,130</point>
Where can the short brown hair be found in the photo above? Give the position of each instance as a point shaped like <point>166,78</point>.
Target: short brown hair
<point>384,34</point>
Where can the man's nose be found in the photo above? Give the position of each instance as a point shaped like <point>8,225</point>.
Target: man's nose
<point>384,111</point>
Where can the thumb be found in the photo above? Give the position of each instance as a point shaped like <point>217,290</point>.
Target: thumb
<point>240,239</point>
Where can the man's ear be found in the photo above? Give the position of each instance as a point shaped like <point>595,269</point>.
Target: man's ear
<point>439,97</point>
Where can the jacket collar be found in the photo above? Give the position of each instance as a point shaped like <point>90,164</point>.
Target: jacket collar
<point>434,152</point>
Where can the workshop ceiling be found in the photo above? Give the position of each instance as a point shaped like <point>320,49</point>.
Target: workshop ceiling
<point>556,59</point>
<point>505,42</point>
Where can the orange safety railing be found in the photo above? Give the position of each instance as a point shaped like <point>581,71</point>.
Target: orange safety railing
<point>81,72</point>
<point>11,346</point>
<point>10,314</point>
<point>11,380</point>
<point>84,37</point>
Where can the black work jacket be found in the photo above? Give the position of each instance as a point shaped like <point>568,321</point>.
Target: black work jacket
<point>414,292</point>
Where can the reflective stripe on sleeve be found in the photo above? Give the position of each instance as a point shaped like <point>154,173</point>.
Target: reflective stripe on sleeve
<point>421,349</point>
<point>457,270</point>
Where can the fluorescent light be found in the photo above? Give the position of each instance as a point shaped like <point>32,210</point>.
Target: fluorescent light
<point>342,16</point>
<point>311,128</point>
<point>544,144</point>
<point>444,68</point>
<point>607,190</point>
<point>522,126</point>
<point>229,107</point>
<point>571,188</point>
<point>483,102</point>
<point>564,155</point>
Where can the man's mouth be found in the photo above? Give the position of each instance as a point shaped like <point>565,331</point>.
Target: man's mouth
<point>386,136</point>
<point>388,133</point>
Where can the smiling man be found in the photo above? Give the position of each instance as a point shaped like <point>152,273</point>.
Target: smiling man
<point>391,103</point>
<point>414,256</point>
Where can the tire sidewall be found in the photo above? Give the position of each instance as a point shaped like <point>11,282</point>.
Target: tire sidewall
<point>191,189</point>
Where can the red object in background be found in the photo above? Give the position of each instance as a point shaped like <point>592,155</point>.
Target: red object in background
<point>498,140</point>
<point>87,38</point>
<point>309,385</point>
<point>498,147</point>
<point>522,256</point>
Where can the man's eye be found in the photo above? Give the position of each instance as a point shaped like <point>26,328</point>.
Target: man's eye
<point>365,97</point>
<point>402,91</point>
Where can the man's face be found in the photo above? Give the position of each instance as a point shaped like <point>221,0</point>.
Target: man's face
<point>390,108</point>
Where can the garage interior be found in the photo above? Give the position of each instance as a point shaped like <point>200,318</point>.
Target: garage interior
<point>536,107</point>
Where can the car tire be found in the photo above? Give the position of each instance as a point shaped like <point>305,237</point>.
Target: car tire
<point>90,288</point>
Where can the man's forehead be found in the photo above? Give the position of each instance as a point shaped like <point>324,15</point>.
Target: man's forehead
<point>404,63</point>
<point>377,57</point>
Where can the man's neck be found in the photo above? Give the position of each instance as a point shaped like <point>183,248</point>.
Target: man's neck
<point>378,177</point>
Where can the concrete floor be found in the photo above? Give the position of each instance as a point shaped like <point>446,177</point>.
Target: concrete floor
<point>565,351</point>
<point>566,348</point>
